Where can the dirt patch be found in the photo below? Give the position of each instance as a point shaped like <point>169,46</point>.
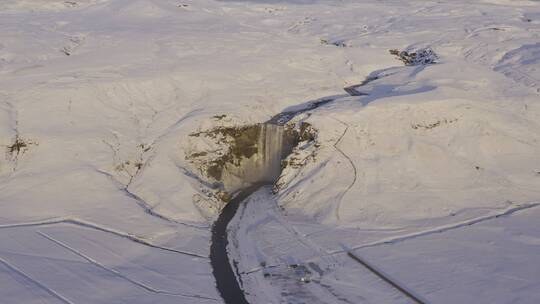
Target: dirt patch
<point>418,57</point>
<point>237,143</point>
<point>230,158</point>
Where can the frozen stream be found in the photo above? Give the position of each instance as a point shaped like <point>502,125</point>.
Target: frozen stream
<point>264,167</point>
<point>226,280</point>
<point>237,260</point>
<point>261,169</point>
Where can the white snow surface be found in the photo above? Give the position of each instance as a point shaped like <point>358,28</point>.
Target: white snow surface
<point>433,175</point>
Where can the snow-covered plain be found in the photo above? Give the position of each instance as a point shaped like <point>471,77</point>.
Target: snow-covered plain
<point>432,174</point>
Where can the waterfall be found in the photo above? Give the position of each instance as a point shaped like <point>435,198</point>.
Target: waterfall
<point>272,143</point>
<point>263,166</point>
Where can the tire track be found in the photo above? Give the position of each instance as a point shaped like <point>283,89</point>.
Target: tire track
<point>386,278</point>
<point>117,273</point>
<point>50,291</point>
<point>355,171</point>
<point>508,211</point>
<point>86,224</point>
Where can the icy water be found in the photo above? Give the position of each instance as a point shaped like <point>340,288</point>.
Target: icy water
<point>261,169</point>
<point>222,268</point>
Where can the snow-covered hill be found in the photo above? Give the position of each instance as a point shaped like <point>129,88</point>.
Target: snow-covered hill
<point>432,173</point>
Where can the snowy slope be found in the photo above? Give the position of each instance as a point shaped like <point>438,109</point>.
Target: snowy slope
<point>98,98</point>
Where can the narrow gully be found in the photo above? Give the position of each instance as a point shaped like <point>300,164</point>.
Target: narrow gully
<point>227,282</point>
